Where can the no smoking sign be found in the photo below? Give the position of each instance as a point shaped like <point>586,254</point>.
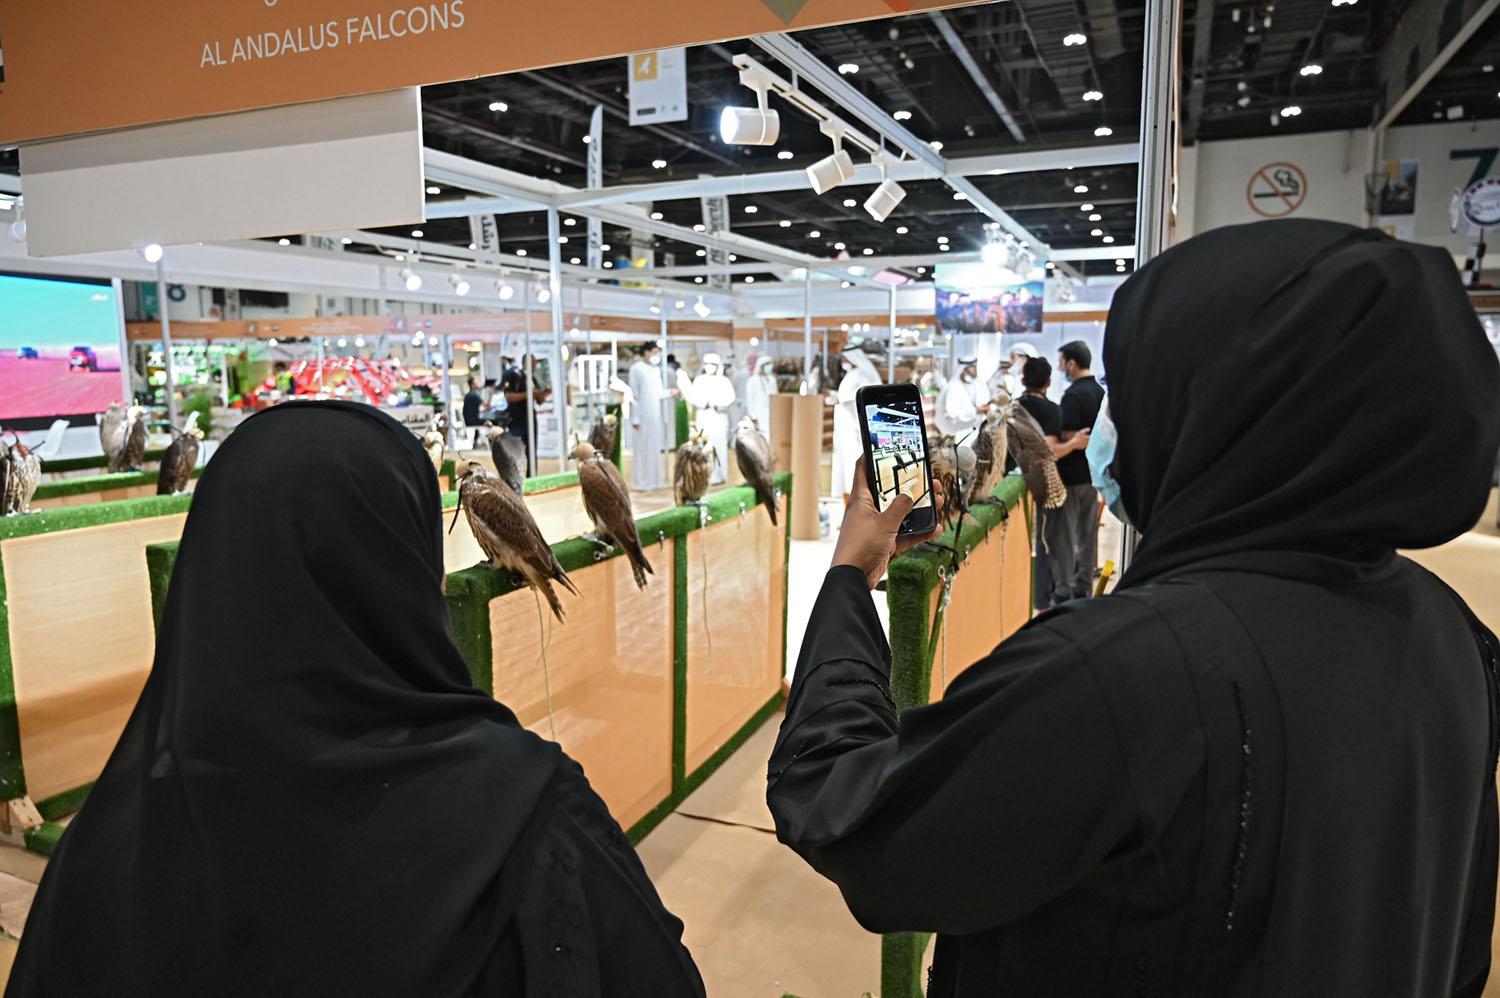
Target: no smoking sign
<point>1276,190</point>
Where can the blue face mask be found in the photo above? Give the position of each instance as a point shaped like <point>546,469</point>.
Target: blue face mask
<point>1103,442</point>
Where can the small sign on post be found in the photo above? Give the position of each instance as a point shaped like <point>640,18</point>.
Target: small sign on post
<point>658,86</point>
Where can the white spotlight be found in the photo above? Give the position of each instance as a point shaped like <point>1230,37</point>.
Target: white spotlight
<point>1109,239</point>
<point>884,200</point>
<point>1075,38</point>
<point>902,230</point>
<point>1311,69</point>
<point>283,241</point>
<point>1103,131</point>
<point>848,68</point>
<point>434,189</point>
<point>521,252</point>
<point>505,291</point>
<point>902,115</point>
<point>785,223</point>
<point>152,252</point>
<point>680,304</point>
<point>850,202</point>
<point>1096,232</point>
<point>837,168</point>
<point>411,279</point>
<point>416,233</point>
<point>784,154</point>
<point>815,234</point>
<point>1291,111</point>
<point>1081,189</point>
<point>749,126</point>
<point>700,309</point>
<point>543,294</point>
<point>359,341</point>
<point>659,164</point>
<point>1096,217</point>
<point>1092,95</point>
<point>499,105</point>
<point>457,282</point>
<point>751,209</point>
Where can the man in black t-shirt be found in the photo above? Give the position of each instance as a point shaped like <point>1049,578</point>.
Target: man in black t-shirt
<point>1036,378</point>
<point>1080,408</point>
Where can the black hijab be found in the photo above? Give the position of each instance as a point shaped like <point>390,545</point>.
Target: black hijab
<point>311,797</point>
<point>1260,377</point>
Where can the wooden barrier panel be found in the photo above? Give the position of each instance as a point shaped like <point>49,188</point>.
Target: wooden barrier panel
<point>991,599</point>
<point>78,636</point>
<point>736,594</point>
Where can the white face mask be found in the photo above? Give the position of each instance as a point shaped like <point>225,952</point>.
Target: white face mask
<point>654,359</point>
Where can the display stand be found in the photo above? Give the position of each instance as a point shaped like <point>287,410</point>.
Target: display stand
<point>92,489</point>
<point>781,429</point>
<point>991,587</point>
<point>807,462</point>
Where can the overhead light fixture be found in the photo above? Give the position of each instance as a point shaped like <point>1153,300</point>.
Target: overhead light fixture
<point>944,248</point>
<point>850,202</point>
<point>698,227</point>
<point>499,105</point>
<point>587,139</point>
<point>272,342</point>
<point>283,241</point>
<point>574,261</point>
<point>562,240</point>
<point>504,290</point>
<point>543,294</point>
<point>834,169</point>
<point>960,196</point>
<point>656,308</point>
<point>700,309</point>
<point>1096,232</point>
<point>815,234</point>
<point>1243,100</point>
<point>1109,239</point>
<point>416,233</point>
<point>1096,217</point>
<point>785,154</point>
<point>902,115</point>
<point>1291,111</point>
<point>1092,95</point>
<point>346,241</point>
<point>868,251</point>
<point>359,341</point>
<point>604,247</point>
<point>473,246</point>
<point>935,145</point>
<point>884,199</point>
<point>942,239</point>
<point>521,251</point>
<point>846,284</point>
<point>679,304</point>
<point>702,252</point>
<point>1119,263</point>
<point>749,278</point>
<point>609,264</point>
<point>1085,207</point>
<point>848,68</point>
<point>751,126</point>
<point>785,223</point>
<point>902,230</point>
<point>698,280</point>
<point>1075,38</point>
<point>343,342</point>
<point>751,209</point>
<point>570,221</point>
<point>838,246</point>
<point>656,216</point>
<point>659,164</point>
<point>733,258</point>
<point>434,189</point>
<point>1311,69</point>
<point>1080,188</point>
<point>458,283</point>
<point>1344,3</point>
<point>1103,131</point>
<point>411,279</point>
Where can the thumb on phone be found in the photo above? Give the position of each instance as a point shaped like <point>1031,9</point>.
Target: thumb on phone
<point>897,510</point>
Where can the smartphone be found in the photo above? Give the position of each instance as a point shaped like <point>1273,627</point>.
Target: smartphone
<point>895,439</point>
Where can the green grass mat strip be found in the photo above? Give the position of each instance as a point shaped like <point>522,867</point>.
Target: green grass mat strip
<point>901,964</point>
<point>43,838</point>
<point>67,802</point>
<point>684,425</point>
<point>679,662</point>
<point>99,483</point>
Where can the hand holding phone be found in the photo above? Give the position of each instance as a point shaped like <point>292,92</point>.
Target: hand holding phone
<point>868,539</point>
<point>895,452</point>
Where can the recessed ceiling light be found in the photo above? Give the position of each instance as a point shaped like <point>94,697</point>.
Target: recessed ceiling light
<point>944,247</point>
<point>1096,217</point>
<point>570,221</point>
<point>1081,189</point>
<point>751,209</point>
<point>838,246</point>
<point>1103,131</point>
<point>784,154</point>
<point>785,223</point>
<point>921,270</point>
<point>434,189</point>
<point>1092,95</point>
<point>1311,69</point>
<point>848,68</point>
<point>1291,111</point>
<point>1075,38</point>
<point>942,239</point>
<point>815,234</point>
<point>574,261</point>
<point>868,251</point>
<point>520,252</point>
<point>1096,232</point>
<point>346,241</point>
<point>416,233</point>
<point>283,241</point>
<point>1085,207</point>
<point>703,252</point>
<point>698,227</point>
<point>850,202</point>
<point>499,105</point>
<point>587,139</point>
<point>473,246</point>
<point>656,216</point>
<point>562,240</point>
<point>659,164</point>
<point>697,280</point>
<point>733,258</point>
<point>960,196</point>
<point>902,115</point>
<point>902,230</point>
<point>1109,239</point>
<point>749,278</point>
<point>935,145</point>
<point>1344,3</point>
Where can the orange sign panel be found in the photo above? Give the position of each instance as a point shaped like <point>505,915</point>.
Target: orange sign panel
<point>75,66</point>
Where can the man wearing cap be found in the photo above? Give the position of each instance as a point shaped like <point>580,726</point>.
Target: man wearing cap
<point>962,401</point>
<point>711,394</point>
<point>1011,379</point>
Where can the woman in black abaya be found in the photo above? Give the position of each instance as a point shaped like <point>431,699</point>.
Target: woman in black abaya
<point>311,797</point>
<point>1266,766</point>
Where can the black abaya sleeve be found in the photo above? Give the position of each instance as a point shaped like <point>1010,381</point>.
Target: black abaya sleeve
<point>955,817</point>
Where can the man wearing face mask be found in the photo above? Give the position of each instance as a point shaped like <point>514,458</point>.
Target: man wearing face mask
<point>647,420</point>
<point>1080,514</point>
<point>962,401</point>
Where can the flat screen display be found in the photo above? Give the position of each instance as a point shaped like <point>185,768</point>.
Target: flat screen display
<point>898,450</point>
<point>59,348</point>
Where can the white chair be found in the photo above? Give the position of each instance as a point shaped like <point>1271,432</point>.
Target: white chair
<point>51,446</point>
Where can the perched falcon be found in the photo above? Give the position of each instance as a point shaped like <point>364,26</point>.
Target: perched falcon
<point>435,443</point>
<point>180,459</point>
<point>602,436</point>
<point>607,501</point>
<point>953,467</point>
<point>111,423</point>
<point>990,451</point>
<point>23,474</point>
<point>509,455</point>
<point>129,453</point>
<point>753,452</point>
<point>508,535</point>
<point>693,468</point>
<point>1028,445</point>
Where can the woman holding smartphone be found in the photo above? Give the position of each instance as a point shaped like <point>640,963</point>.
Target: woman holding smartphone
<point>1265,766</point>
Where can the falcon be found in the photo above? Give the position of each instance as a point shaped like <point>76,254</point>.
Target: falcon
<point>509,455</point>
<point>180,459</point>
<point>508,535</point>
<point>990,450</point>
<point>602,436</point>
<point>129,453</point>
<point>753,453</point>
<point>435,443</point>
<point>22,475</point>
<point>953,466</point>
<point>111,421</point>
<point>607,501</point>
<point>1028,446</point>
<point>693,468</point>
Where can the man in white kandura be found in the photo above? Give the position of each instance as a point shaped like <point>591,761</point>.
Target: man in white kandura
<point>962,401</point>
<point>711,394</point>
<point>1009,377</point>
<point>847,446</point>
<point>648,419</point>
<point>758,391</point>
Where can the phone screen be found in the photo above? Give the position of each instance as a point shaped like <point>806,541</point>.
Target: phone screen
<point>898,449</point>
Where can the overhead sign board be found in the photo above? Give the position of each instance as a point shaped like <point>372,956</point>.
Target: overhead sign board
<point>76,66</point>
<point>658,86</point>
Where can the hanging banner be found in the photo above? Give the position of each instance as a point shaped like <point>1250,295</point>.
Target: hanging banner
<point>484,233</point>
<point>191,59</point>
<point>716,222</point>
<point>658,86</point>
<point>596,180</point>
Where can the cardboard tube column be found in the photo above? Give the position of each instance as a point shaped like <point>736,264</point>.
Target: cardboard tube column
<point>807,460</point>
<point>781,430</point>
